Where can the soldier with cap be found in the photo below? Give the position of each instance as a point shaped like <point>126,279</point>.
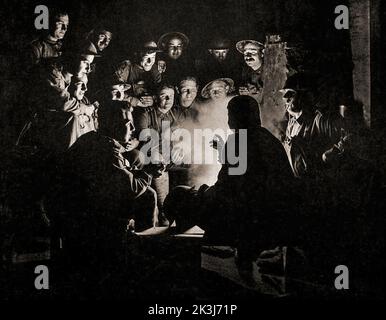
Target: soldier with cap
<point>141,72</point>
<point>51,127</point>
<point>99,39</point>
<point>309,133</point>
<point>175,62</point>
<point>101,188</point>
<point>218,89</point>
<point>251,73</point>
<point>218,62</point>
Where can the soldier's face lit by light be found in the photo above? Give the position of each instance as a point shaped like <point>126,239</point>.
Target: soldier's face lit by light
<point>123,131</point>
<point>289,99</point>
<point>85,64</point>
<point>60,27</point>
<point>188,93</point>
<point>175,48</point>
<point>117,92</point>
<point>218,90</point>
<point>252,56</point>
<point>166,99</point>
<point>80,89</point>
<point>148,61</point>
<point>103,40</point>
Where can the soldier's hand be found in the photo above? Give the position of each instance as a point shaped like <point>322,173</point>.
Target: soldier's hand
<point>146,101</point>
<point>134,102</point>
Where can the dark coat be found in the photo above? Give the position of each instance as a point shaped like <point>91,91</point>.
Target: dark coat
<point>210,69</point>
<point>44,48</point>
<point>262,198</point>
<point>130,73</point>
<point>176,70</point>
<point>94,195</point>
<point>317,133</point>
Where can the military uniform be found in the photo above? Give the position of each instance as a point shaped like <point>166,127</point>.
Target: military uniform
<point>45,48</point>
<point>129,73</point>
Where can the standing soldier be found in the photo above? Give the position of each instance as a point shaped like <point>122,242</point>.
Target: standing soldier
<point>141,72</point>
<point>252,70</point>
<point>175,63</point>
<point>218,62</point>
<point>50,46</point>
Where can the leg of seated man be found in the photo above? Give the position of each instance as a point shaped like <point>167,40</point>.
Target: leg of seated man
<point>144,210</point>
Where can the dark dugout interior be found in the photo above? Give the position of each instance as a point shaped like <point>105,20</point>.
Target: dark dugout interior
<point>307,26</point>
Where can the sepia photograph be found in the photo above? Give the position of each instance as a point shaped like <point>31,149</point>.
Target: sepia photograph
<point>207,150</point>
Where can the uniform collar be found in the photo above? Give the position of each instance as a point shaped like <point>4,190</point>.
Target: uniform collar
<point>49,39</point>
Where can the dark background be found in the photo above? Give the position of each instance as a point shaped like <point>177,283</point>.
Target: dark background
<point>306,25</point>
<point>306,22</point>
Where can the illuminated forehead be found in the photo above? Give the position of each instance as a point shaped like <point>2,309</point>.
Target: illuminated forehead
<point>251,46</point>
<point>63,19</point>
<point>217,84</point>
<point>80,83</point>
<point>117,87</point>
<point>175,42</point>
<point>88,58</point>
<point>166,92</point>
<point>105,33</point>
<point>188,84</point>
<point>82,78</point>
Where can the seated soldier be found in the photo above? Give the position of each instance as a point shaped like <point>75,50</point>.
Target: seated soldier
<point>98,194</point>
<point>241,209</point>
<point>309,133</point>
<point>159,119</point>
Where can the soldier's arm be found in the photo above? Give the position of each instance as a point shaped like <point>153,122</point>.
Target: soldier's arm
<point>131,183</point>
<point>36,53</point>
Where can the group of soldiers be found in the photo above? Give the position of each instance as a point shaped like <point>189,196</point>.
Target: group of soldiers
<point>72,84</point>
<point>87,113</point>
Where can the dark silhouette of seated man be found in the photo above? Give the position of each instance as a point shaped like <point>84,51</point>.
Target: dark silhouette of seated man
<point>102,185</point>
<point>250,208</point>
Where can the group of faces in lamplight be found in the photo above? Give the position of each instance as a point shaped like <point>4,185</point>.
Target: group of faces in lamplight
<point>174,45</point>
